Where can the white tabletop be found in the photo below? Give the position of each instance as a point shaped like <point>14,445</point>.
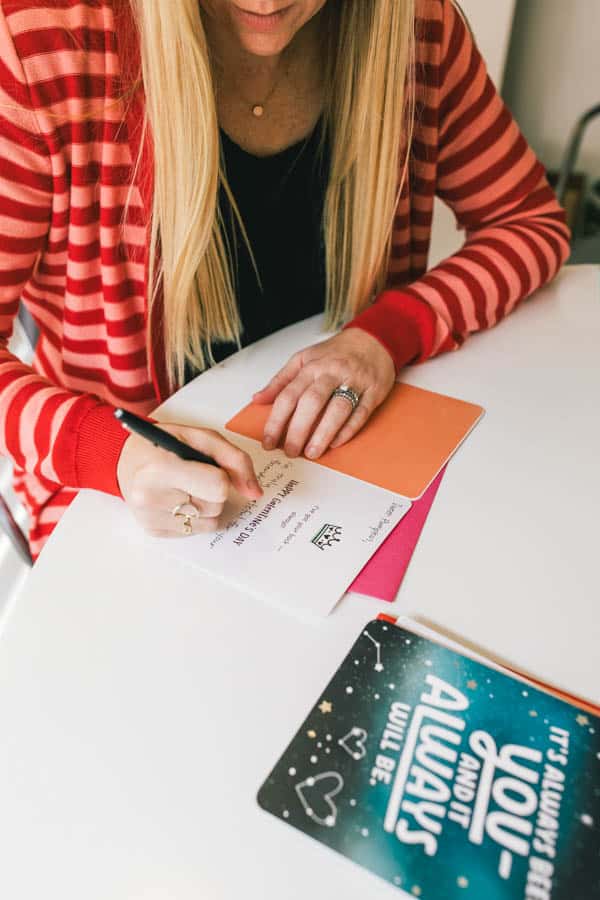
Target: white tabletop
<point>142,704</point>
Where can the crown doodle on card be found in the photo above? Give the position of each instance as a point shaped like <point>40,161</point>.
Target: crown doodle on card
<point>327,536</point>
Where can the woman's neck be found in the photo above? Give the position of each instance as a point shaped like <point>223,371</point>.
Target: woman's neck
<point>288,88</point>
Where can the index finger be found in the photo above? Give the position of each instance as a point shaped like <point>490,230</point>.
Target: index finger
<point>229,458</point>
<point>279,381</point>
<point>208,483</point>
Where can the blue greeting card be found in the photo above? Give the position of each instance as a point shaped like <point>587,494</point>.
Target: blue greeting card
<point>448,778</point>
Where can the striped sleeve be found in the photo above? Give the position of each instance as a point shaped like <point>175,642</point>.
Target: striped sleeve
<point>63,437</point>
<point>516,233</point>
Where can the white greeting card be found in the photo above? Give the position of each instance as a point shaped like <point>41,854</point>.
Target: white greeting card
<point>302,543</point>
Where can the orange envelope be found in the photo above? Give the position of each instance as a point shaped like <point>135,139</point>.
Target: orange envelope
<point>403,446</point>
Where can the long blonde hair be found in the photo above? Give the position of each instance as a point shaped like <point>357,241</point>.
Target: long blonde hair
<point>368,115</point>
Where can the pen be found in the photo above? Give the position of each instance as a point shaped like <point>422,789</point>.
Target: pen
<point>161,438</point>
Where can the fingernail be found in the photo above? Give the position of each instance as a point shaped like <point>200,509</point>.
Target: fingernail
<point>312,451</point>
<point>268,442</point>
<point>254,485</point>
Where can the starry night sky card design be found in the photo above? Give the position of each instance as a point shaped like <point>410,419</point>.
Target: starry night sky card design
<point>446,777</point>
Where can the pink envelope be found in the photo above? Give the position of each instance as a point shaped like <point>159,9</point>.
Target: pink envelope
<point>383,574</point>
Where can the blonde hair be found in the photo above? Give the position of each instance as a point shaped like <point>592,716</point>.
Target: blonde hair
<point>368,115</point>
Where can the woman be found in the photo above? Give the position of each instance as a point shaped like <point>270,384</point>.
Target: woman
<point>178,176</point>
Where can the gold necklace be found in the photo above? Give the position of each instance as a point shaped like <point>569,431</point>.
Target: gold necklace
<point>257,109</point>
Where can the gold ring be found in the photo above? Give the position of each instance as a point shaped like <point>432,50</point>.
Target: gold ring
<point>186,511</point>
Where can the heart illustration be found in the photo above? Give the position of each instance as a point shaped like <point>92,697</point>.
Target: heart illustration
<point>354,743</point>
<point>316,795</point>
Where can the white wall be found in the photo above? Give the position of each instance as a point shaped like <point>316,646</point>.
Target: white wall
<point>491,24</point>
<point>553,76</point>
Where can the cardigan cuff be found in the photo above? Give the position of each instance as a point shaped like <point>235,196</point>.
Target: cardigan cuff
<point>403,324</point>
<point>100,439</point>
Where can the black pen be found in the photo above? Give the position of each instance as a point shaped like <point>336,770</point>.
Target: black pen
<point>161,438</point>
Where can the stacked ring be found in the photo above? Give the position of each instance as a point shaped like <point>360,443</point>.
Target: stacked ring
<point>347,393</point>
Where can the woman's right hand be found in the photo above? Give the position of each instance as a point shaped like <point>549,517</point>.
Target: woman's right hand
<point>154,481</point>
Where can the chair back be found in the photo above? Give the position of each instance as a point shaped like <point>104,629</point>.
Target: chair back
<point>9,525</point>
<point>25,340</point>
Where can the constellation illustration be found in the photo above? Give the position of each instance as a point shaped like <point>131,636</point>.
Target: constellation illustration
<point>378,665</point>
<point>354,743</point>
<point>330,783</point>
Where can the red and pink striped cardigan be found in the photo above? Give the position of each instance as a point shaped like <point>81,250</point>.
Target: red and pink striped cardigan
<point>68,140</point>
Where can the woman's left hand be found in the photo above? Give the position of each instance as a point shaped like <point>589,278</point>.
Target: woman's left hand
<point>302,399</point>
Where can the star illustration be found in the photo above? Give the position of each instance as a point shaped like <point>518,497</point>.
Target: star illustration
<point>472,684</point>
<point>326,707</point>
<point>582,720</point>
<point>416,890</point>
<point>462,882</point>
<point>533,713</point>
<point>311,734</point>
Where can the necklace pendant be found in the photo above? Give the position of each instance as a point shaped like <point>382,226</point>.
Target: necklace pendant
<point>258,110</point>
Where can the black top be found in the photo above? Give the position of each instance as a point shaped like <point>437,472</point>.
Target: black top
<point>280,199</point>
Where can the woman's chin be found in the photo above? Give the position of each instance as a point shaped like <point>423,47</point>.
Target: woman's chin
<point>264,35</point>
<point>263,44</point>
